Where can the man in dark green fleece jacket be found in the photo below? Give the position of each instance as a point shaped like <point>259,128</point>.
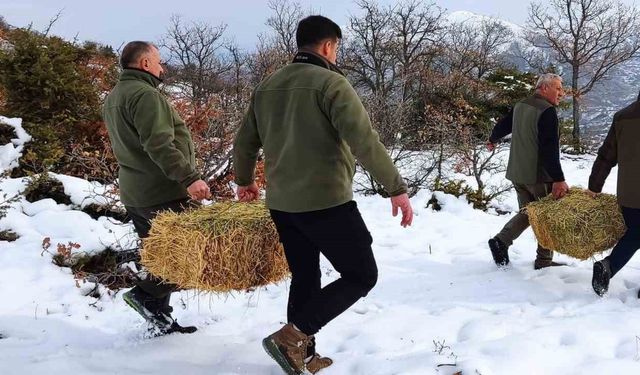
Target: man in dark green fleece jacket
<point>312,126</point>
<point>157,165</point>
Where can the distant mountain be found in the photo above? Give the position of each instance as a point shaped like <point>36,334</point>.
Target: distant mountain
<point>617,91</point>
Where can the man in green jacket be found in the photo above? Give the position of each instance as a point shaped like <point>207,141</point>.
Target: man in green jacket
<point>311,124</point>
<point>620,148</point>
<point>157,166</point>
<point>534,162</point>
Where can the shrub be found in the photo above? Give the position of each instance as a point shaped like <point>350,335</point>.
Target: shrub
<point>6,134</point>
<point>8,235</point>
<point>44,186</point>
<point>458,188</point>
<point>56,87</point>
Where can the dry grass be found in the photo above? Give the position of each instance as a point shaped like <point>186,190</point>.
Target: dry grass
<point>219,248</point>
<point>577,225</point>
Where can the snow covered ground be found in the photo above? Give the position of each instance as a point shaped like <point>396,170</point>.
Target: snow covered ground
<point>440,300</point>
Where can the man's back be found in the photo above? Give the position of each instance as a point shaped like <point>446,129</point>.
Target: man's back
<point>525,159</point>
<point>301,146</point>
<point>150,141</point>
<point>627,134</point>
<point>311,123</point>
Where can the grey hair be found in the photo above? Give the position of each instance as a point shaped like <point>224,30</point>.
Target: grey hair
<point>546,78</point>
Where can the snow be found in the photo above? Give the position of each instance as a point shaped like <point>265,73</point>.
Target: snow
<point>463,16</point>
<point>10,152</point>
<point>83,192</point>
<point>440,300</point>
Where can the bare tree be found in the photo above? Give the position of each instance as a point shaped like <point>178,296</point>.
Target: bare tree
<point>265,60</point>
<point>52,22</point>
<point>384,54</point>
<point>477,162</point>
<point>195,51</point>
<point>387,48</point>
<point>417,27</point>
<point>277,47</point>
<point>230,105</point>
<point>238,73</point>
<point>283,22</point>
<point>476,48</point>
<point>590,36</point>
<point>210,89</point>
<point>392,122</point>
<point>369,54</point>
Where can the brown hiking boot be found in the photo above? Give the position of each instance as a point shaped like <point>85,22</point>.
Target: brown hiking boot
<point>288,347</point>
<point>315,362</point>
<point>318,362</point>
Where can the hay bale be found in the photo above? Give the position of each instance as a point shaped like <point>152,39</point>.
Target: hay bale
<point>577,225</point>
<point>218,248</point>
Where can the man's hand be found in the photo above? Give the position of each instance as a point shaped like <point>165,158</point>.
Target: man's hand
<point>491,146</point>
<point>559,189</point>
<point>402,202</point>
<point>199,190</point>
<point>592,194</point>
<point>248,193</point>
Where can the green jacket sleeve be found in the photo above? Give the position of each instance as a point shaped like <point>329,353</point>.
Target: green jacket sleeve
<point>153,119</point>
<point>245,148</point>
<point>350,118</point>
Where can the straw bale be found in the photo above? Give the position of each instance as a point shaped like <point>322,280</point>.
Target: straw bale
<point>218,248</point>
<point>577,225</point>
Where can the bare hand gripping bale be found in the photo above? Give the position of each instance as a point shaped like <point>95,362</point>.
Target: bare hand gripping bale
<point>577,225</point>
<point>218,248</point>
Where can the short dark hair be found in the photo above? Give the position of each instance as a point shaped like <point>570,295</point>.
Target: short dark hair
<point>133,51</point>
<point>314,29</point>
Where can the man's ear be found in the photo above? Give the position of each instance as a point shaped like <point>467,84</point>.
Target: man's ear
<point>326,47</point>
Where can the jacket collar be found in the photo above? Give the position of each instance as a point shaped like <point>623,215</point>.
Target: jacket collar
<point>308,57</point>
<point>538,96</point>
<point>140,75</point>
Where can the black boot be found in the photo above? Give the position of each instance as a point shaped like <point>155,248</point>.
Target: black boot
<point>601,277</point>
<point>177,328</point>
<point>499,251</point>
<point>544,263</point>
<point>156,312</point>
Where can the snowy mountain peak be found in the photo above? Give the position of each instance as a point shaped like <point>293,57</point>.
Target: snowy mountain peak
<point>464,16</point>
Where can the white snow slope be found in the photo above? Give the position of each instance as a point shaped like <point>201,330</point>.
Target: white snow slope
<point>440,300</point>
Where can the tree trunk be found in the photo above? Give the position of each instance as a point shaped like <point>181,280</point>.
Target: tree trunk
<point>576,106</point>
<point>440,159</point>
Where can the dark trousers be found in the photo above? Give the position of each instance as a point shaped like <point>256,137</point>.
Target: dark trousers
<point>153,291</point>
<point>340,234</point>
<point>519,223</point>
<point>629,243</point>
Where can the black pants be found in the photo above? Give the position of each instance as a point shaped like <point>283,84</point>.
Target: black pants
<point>340,234</point>
<point>629,243</point>
<point>153,291</point>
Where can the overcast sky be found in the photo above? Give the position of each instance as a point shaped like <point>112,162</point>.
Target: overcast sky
<point>114,22</point>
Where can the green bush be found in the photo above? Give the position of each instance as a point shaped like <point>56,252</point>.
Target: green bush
<point>43,186</point>
<point>8,235</point>
<point>458,188</point>
<point>6,134</point>
<point>56,88</point>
